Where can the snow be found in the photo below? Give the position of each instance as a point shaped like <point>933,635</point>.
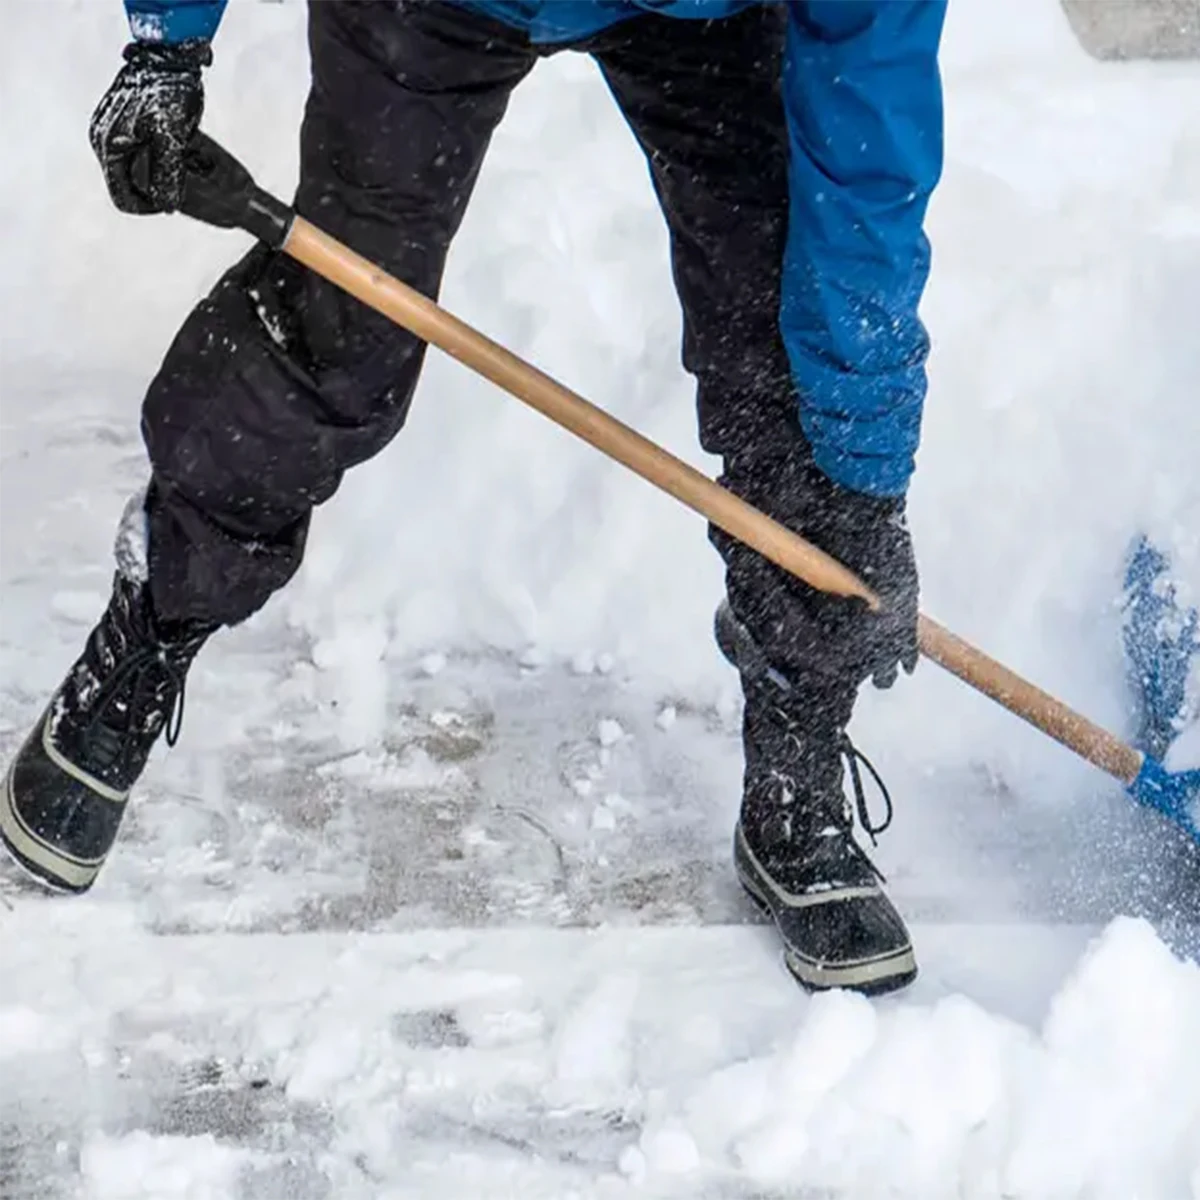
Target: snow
<point>433,897</point>
<point>652,1058</point>
<point>609,732</point>
<point>170,1168</point>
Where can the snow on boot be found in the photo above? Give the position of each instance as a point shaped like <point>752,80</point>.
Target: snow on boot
<point>794,849</point>
<point>67,789</point>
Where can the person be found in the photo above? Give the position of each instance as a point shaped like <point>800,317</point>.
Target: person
<point>793,150</point>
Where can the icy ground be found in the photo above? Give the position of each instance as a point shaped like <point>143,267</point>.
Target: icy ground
<point>433,897</point>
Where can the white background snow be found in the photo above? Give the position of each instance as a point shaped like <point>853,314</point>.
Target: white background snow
<point>432,899</point>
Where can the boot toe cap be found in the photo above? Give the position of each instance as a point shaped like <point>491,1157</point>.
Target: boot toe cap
<point>854,941</point>
<point>56,820</point>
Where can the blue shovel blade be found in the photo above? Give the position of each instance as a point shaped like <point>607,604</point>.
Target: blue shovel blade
<point>1160,642</point>
<point>1161,638</point>
<point>1175,794</point>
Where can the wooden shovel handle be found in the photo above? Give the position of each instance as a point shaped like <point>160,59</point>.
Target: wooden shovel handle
<point>1023,698</point>
<point>431,323</point>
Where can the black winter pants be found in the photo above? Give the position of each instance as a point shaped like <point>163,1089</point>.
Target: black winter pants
<point>278,382</point>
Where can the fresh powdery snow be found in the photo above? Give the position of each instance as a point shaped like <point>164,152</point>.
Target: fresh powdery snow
<point>433,899</point>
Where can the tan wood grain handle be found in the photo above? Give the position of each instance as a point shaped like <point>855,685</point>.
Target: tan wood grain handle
<point>1028,701</point>
<point>431,323</point>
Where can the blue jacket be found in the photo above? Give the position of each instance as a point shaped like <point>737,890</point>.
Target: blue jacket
<point>863,98</point>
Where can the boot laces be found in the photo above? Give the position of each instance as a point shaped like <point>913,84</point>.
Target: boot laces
<point>853,756</point>
<point>153,677</point>
<point>830,819</point>
<point>137,677</point>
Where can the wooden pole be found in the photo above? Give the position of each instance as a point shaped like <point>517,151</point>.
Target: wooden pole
<point>1028,701</point>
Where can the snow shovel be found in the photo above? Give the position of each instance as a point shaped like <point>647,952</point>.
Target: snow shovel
<point>220,191</point>
<point>1162,638</point>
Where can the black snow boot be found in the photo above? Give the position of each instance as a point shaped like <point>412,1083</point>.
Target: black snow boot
<point>794,847</point>
<point>67,789</point>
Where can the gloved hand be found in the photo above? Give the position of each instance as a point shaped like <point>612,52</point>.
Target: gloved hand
<point>144,122</point>
<point>802,629</point>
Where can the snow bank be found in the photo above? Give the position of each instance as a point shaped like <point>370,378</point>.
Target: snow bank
<point>139,1165</point>
<point>951,1101</point>
<point>23,1029</point>
<point>1067,250</point>
<point>625,1061</point>
<point>929,1101</point>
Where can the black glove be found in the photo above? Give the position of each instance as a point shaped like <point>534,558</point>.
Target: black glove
<point>142,126</point>
<point>805,630</point>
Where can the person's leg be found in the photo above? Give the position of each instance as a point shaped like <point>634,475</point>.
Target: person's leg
<point>276,384</point>
<point>703,99</point>
<point>280,381</point>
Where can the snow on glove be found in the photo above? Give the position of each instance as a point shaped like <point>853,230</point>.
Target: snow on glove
<point>805,630</point>
<point>143,124</point>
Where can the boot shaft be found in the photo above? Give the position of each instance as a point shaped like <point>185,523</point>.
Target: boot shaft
<point>795,812</point>
<point>793,728</point>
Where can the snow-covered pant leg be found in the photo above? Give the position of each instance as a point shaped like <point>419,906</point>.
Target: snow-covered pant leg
<point>703,98</point>
<point>278,382</point>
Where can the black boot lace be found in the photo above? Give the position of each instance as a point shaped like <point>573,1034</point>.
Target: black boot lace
<point>824,825</point>
<point>145,680</point>
<point>853,756</point>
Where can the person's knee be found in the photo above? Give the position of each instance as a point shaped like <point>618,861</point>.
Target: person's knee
<point>220,419</point>
<point>246,423</point>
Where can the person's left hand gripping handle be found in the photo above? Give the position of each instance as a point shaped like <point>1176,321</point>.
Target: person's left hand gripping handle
<point>144,123</point>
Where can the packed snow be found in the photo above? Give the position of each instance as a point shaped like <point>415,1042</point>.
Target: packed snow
<point>433,897</point>
<point>613,1063</point>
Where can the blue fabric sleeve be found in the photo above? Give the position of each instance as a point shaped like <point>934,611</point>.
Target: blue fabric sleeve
<point>174,20</point>
<point>863,97</point>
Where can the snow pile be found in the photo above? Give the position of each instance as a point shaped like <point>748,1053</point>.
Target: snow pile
<point>950,1101</point>
<point>1061,418</point>
<point>22,1028</point>
<point>855,1099</point>
<point>140,1165</point>
<point>608,1063</point>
